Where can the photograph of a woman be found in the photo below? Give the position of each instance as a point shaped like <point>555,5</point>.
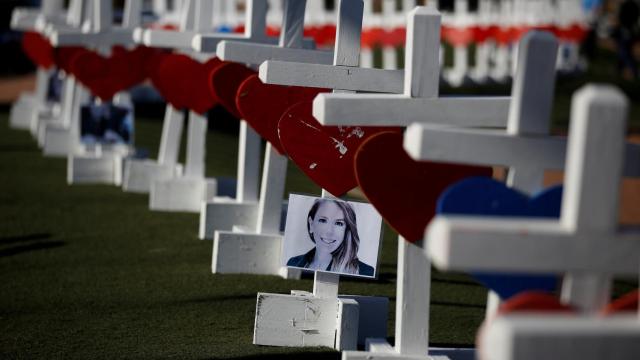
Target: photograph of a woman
<point>331,227</point>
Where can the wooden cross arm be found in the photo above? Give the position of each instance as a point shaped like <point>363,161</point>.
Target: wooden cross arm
<point>493,244</point>
<point>332,76</point>
<point>561,336</point>
<point>165,38</point>
<point>427,142</point>
<point>24,19</point>
<point>115,36</point>
<point>401,110</point>
<point>254,53</point>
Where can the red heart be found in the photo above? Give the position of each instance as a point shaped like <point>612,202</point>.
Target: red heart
<point>457,36</point>
<point>534,301</point>
<point>91,70</point>
<point>170,80</point>
<point>64,56</point>
<point>262,105</point>
<point>202,98</point>
<point>38,49</point>
<point>107,76</point>
<point>324,153</point>
<point>224,82</point>
<point>403,190</point>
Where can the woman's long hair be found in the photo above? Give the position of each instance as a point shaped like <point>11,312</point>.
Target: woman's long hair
<point>345,257</point>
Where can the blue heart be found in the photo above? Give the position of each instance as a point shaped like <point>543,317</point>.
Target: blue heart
<point>488,197</point>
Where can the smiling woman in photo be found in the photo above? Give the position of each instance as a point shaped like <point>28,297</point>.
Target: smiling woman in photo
<point>331,225</point>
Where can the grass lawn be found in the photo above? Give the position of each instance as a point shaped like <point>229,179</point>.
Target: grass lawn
<point>89,272</point>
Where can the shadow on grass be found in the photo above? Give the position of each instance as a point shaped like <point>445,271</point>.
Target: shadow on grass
<point>307,355</point>
<point>210,299</point>
<point>457,304</point>
<point>18,148</point>
<point>29,237</point>
<point>456,282</point>
<point>30,247</point>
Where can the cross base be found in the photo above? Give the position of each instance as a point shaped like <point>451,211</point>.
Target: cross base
<point>223,213</point>
<point>537,336</point>
<point>23,111</point>
<point>56,139</point>
<point>380,349</point>
<point>302,319</point>
<point>97,165</point>
<point>139,174</point>
<point>181,194</point>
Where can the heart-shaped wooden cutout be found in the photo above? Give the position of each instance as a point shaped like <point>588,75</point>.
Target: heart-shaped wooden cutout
<point>202,99</point>
<point>534,301</point>
<point>38,49</point>
<point>262,105</point>
<point>170,79</point>
<point>64,56</point>
<point>106,76</point>
<point>403,190</point>
<point>324,153</point>
<point>224,82</point>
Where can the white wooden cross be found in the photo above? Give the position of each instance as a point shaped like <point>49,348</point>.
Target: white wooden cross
<point>530,111</point>
<point>30,18</point>
<point>102,33</point>
<point>99,163</point>
<point>585,244</point>
<point>418,102</point>
<point>420,89</point>
<point>524,147</point>
<point>321,317</point>
<point>219,218</point>
<point>30,106</point>
<point>139,174</point>
<point>191,190</point>
<point>53,134</point>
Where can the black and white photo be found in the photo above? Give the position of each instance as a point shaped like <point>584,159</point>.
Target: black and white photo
<point>332,235</point>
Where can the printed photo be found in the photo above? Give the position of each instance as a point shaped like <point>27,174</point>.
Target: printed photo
<point>106,123</point>
<point>332,235</point>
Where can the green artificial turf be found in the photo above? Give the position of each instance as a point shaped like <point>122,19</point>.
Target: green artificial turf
<point>88,272</point>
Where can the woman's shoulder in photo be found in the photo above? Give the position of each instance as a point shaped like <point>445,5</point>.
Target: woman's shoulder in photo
<point>364,269</point>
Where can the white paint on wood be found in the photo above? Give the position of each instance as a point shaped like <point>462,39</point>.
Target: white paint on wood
<point>412,299</point>
<point>170,138</point>
<point>347,327</point>
<point>533,337</point>
<point>246,253</point>
<point>325,284</point>
<point>286,320</point>
<point>184,194</point>
<point>331,76</point>
<point>273,182</point>
<point>224,214</point>
<point>527,245</point>
<point>140,173</point>
<point>91,169</point>
<point>132,14</point>
<point>422,66</point>
<point>594,169</point>
<point>196,142</point>
<point>245,51</point>
<point>248,163</point>
<point>399,110</point>
<point>484,147</point>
